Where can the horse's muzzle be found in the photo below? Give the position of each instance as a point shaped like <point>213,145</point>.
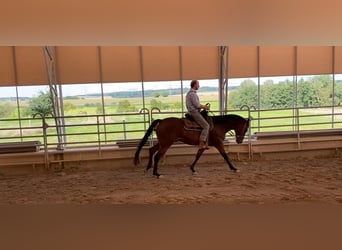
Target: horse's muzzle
<point>239,139</point>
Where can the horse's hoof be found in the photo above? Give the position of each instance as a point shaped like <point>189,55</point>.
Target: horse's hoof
<point>195,173</point>
<point>234,170</point>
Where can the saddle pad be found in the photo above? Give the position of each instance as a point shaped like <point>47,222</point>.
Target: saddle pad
<point>190,124</point>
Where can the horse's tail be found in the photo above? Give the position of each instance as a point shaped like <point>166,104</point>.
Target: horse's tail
<point>143,140</point>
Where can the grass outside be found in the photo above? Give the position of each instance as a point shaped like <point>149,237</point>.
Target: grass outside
<point>116,126</point>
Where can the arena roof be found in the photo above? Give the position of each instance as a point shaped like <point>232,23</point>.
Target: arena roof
<point>176,22</point>
<point>153,40</point>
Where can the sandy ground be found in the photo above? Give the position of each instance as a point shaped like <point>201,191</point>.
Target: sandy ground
<point>258,182</point>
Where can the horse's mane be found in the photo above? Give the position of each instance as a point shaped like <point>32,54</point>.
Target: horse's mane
<point>225,118</point>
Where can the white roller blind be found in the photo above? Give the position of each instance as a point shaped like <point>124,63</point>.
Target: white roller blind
<point>7,77</point>
<point>31,69</point>
<point>338,59</point>
<point>78,64</point>
<point>161,63</point>
<point>200,62</point>
<point>86,64</point>
<point>314,60</point>
<point>120,64</point>
<point>277,60</point>
<point>243,61</point>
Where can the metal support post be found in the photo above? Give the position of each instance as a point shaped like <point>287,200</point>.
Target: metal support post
<point>223,79</point>
<point>56,96</point>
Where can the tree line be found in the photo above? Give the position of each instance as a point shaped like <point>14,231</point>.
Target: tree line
<point>314,92</point>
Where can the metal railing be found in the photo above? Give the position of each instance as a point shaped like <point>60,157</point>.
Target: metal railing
<point>107,129</point>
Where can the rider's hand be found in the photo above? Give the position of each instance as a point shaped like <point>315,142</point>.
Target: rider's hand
<point>205,107</point>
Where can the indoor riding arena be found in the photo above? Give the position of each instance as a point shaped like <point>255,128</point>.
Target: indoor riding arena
<point>289,154</point>
<point>81,150</point>
<point>82,82</point>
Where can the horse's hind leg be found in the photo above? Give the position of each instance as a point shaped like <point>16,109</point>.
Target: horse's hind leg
<point>152,150</point>
<point>161,152</point>
<point>198,155</point>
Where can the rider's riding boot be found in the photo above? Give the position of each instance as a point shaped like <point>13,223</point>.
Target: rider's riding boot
<point>203,145</point>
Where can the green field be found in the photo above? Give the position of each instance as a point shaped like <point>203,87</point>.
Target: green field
<point>84,124</point>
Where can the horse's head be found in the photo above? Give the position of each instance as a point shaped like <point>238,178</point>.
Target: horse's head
<point>225,123</point>
<point>241,129</point>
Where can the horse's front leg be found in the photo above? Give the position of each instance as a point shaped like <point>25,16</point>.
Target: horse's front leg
<point>198,155</point>
<point>220,148</point>
<point>225,156</point>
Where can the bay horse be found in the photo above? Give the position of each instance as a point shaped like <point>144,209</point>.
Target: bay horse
<point>170,130</point>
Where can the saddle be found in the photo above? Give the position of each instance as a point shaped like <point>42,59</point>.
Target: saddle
<point>191,124</point>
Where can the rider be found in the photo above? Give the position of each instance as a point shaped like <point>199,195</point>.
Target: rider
<point>194,107</point>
